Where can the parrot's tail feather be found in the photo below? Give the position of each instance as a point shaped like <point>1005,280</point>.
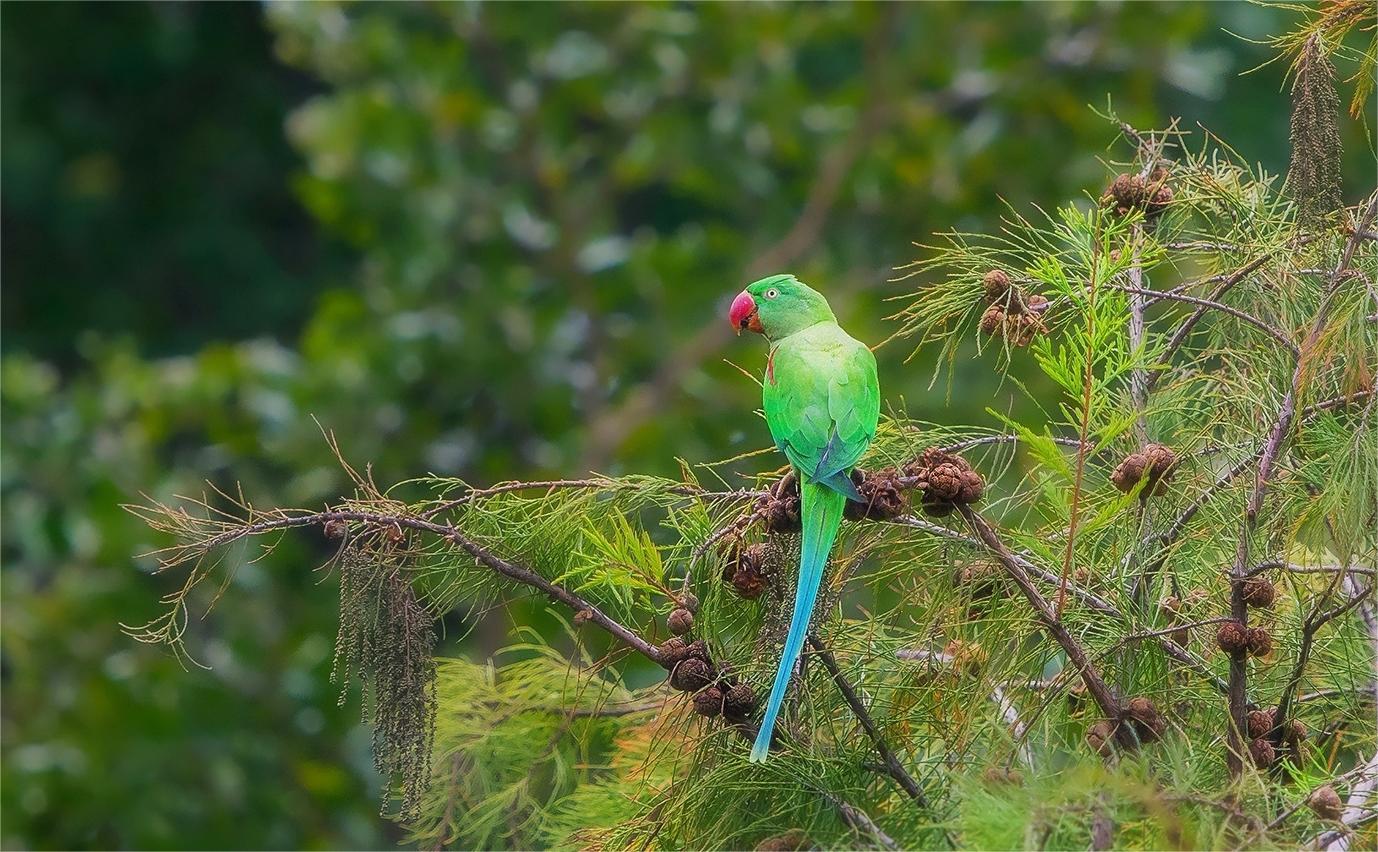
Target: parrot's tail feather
<point>821,511</point>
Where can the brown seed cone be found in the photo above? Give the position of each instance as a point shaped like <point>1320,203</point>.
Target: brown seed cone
<point>1325,803</point>
<point>791,841</point>
<point>696,650</point>
<point>1127,191</point>
<point>1147,723</point>
<point>1260,642</point>
<point>680,621</point>
<point>1153,462</point>
<point>739,702</point>
<point>336,529</point>
<point>709,702</point>
<point>690,601</point>
<point>1296,730</point>
<point>747,571</point>
<point>1259,592</point>
<point>945,479</point>
<point>883,499</point>
<point>1260,723</point>
<point>1159,201</point>
<point>1232,636</point>
<point>993,320</point>
<point>1262,753</point>
<point>968,658</point>
<point>672,651</point>
<point>980,578</point>
<point>1101,737</point>
<point>973,487</point>
<point>1002,775</point>
<point>997,286</point>
<point>781,506</point>
<point>1128,472</point>
<point>944,482</point>
<point>692,674</point>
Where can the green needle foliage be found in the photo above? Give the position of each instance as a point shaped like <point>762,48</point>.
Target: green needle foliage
<point>1156,630</point>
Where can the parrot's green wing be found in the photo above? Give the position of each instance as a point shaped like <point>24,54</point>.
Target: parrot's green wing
<point>822,401</point>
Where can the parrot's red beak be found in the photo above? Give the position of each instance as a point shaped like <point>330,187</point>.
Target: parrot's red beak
<point>744,314</point>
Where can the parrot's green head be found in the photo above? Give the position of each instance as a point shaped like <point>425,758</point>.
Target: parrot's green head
<point>778,306</point>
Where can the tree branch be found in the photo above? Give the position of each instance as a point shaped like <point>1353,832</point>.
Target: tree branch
<point>1210,304</point>
<point>1238,699</point>
<point>1076,654</point>
<point>893,767</point>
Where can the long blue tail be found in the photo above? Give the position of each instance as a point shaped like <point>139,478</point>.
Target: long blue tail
<point>821,511</point>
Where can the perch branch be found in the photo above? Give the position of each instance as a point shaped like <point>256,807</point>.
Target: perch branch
<point>485,557</point>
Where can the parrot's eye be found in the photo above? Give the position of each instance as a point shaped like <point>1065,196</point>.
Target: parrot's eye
<point>772,293</point>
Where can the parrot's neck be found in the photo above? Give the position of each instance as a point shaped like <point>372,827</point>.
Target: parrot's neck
<point>776,340</point>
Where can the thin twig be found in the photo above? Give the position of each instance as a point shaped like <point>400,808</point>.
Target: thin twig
<point>1090,599</point>
<point>1210,304</point>
<point>1238,699</point>
<point>1076,654</point>
<point>859,820</point>
<point>1179,337</point>
<point>893,767</point>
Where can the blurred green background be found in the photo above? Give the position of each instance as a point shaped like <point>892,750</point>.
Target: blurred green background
<point>479,240</point>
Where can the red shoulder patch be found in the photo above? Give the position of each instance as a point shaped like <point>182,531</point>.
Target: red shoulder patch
<point>770,366</point>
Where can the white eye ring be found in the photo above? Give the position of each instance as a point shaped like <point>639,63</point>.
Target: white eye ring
<point>772,293</point>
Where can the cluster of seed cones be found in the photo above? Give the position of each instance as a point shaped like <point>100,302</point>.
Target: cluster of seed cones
<point>1013,314</point>
<point>1139,717</point>
<point>780,507</point>
<point>715,692</point>
<point>747,570</point>
<point>882,494</point>
<point>947,481</point>
<point>1128,192</point>
<point>1263,740</point>
<point>1234,638</point>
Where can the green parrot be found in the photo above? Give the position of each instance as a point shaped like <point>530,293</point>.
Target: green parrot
<point>822,403</point>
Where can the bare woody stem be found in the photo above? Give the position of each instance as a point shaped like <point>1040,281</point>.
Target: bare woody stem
<point>1282,426</point>
<point>891,764</point>
<point>1210,304</point>
<point>1090,675</point>
<point>1090,599</point>
<point>1317,619</point>
<point>1179,337</point>
<point>482,555</point>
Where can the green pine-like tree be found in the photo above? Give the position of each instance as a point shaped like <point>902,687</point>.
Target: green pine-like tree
<point>1145,620</point>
